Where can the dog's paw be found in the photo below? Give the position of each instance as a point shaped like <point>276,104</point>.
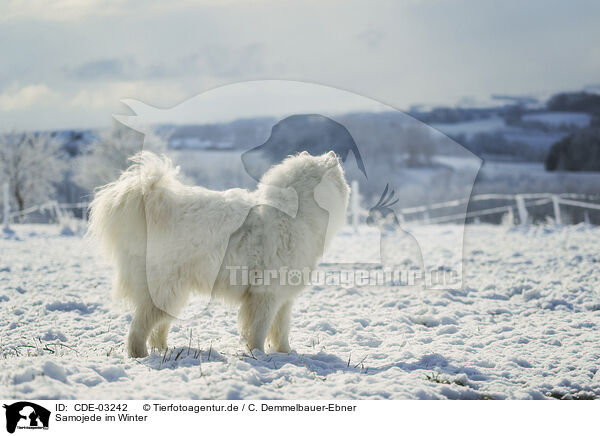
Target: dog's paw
<point>278,348</point>
<point>283,348</point>
<point>158,343</point>
<point>136,350</point>
<point>138,353</point>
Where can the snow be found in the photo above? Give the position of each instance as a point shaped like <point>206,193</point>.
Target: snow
<point>525,326</point>
<point>471,128</point>
<point>556,119</point>
<point>533,138</point>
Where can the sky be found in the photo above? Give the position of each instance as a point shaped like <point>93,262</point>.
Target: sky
<point>68,63</point>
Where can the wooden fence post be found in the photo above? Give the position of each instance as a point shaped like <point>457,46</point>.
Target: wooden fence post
<point>521,209</point>
<point>6,205</point>
<point>57,212</point>
<point>556,207</point>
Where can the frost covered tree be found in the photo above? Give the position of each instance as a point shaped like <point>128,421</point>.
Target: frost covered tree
<point>32,165</point>
<point>109,155</point>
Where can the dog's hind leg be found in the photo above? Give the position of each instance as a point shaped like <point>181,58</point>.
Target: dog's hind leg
<point>146,317</point>
<point>256,316</point>
<point>278,335</point>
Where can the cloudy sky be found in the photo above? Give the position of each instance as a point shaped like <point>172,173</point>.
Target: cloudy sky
<point>67,63</point>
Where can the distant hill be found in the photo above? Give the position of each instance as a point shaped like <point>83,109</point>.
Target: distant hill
<point>520,129</point>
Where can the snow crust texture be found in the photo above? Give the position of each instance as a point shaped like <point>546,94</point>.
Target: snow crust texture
<point>525,326</point>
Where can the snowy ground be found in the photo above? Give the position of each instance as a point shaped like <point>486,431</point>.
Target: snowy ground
<point>525,326</point>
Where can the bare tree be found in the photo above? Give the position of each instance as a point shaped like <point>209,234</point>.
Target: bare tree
<point>108,156</point>
<point>31,163</point>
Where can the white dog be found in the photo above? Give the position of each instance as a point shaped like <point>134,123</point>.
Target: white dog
<point>167,239</point>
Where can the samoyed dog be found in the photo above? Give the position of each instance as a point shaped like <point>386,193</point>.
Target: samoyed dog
<point>167,240</point>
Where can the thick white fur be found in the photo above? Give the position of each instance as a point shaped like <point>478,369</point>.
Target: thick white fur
<point>167,240</point>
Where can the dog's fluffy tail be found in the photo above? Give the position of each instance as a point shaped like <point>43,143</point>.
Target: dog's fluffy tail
<point>118,211</point>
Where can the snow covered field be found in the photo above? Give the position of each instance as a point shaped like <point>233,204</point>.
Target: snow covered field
<point>525,326</point>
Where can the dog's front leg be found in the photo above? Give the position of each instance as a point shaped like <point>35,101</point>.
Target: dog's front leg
<point>136,340</point>
<point>158,337</point>
<point>256,315</point>
<point>278,335</point>
<point>145,318</point>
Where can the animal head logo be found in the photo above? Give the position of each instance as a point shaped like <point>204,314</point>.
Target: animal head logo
<point>26,415</point>
<point>318,119</point>
<point>382,211</point>
<point>313,133</point>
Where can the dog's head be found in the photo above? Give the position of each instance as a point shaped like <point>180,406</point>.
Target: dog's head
<point>305,172</point>
<point>333,182</point>
<point>319,178</point>
<point>332,194</point>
